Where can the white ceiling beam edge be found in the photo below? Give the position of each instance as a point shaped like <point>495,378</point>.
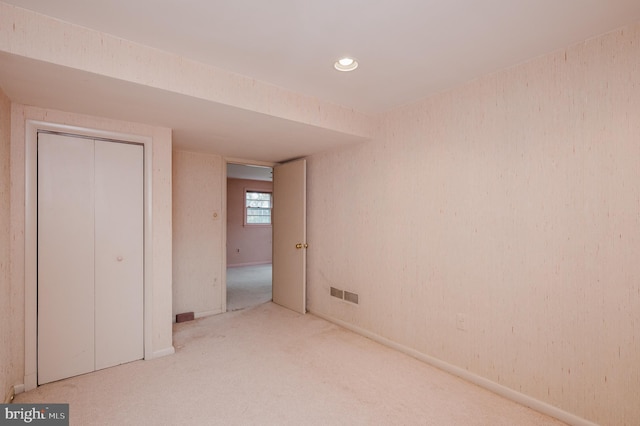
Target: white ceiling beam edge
<point>61,43</point>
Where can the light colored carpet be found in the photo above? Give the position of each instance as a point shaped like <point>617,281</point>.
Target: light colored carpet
<point>248,286</point>
<point>267,365</point>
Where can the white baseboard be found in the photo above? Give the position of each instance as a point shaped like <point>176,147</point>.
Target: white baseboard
<point>499,389</point>
<point>202,314</point>
<point>30,382</point>
<point>18,389</point>
<point>206,313</point>
<point>163,352</point>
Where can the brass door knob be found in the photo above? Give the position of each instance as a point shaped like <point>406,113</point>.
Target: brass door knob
<point>300,245</point>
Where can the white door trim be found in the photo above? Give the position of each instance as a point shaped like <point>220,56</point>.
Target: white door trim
<point>31,236</point>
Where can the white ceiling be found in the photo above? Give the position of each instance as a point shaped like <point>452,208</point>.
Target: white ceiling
<point>240,171</point>
<point>407,50</point>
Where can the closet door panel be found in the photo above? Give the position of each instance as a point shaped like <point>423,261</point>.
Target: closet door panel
<point>119,253</point>
<point>65,257</point>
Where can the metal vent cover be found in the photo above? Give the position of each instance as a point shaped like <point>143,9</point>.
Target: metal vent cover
<point>337,293</point>
<point>351,297</point>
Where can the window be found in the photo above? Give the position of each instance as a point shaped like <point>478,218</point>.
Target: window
<point>257,208</point>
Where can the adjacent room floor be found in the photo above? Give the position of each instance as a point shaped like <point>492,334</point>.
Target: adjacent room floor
<point>267,365</point>
<point>248,286</point>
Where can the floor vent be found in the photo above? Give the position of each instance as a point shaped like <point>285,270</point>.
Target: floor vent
<point>351,297</point>
<point>186,316</point>
<point>337,293</point>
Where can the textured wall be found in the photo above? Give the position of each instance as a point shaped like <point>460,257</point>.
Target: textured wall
<point>197,233</point>
<point>10,374</point>
<point>246,245</point>
<point>497,227</point>
<point>161,210</point>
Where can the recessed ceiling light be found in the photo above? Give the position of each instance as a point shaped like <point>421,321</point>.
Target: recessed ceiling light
<point>346,64</point>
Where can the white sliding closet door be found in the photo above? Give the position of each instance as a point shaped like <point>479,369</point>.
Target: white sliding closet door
<point>90,255</point>
<point>65,257</point>
<point>118,253</point>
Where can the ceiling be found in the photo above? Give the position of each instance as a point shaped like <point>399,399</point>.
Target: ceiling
<point>407,50</point>
<point>241,171</point>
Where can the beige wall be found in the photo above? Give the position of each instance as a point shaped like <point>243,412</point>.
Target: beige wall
<point>161,339</point>
<point>510,208</point>
<point>10,373</point>
<point>197,233</point>
<point>246,245</point>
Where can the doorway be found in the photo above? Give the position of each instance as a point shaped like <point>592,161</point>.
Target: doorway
<point>249,235</point>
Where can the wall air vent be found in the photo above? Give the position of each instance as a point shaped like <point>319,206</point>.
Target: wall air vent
<point>351,297</point>
<point>337,293</point>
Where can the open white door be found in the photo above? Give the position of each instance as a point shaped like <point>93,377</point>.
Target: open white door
<point>290,235</point>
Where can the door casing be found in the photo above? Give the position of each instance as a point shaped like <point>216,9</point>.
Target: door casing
<point>228,161</point>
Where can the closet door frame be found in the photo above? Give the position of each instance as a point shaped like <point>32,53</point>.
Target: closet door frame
<point>31,234</point>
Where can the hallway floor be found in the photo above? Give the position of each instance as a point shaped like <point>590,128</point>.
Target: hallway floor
<point>248,286</point>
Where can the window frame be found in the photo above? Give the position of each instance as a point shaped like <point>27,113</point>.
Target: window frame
<point>245,207</point>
